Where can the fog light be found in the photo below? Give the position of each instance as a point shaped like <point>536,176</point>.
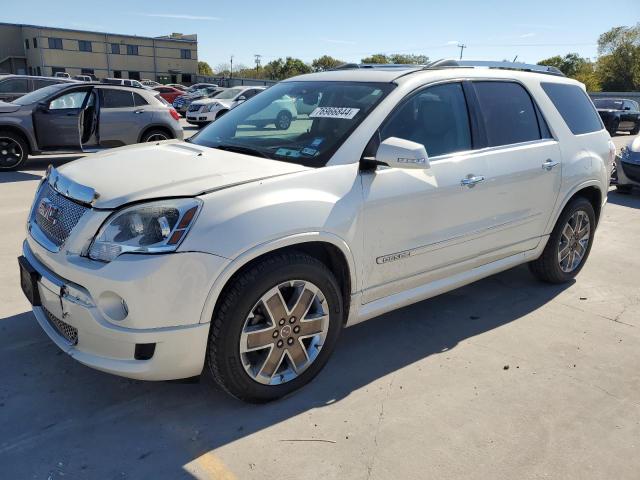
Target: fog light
<point>113,306</point>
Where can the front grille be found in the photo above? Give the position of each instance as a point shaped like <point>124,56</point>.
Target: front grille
<point>69,333</point>
<point>67,214</point>
<point>194,108</point>
<point>631,170</point>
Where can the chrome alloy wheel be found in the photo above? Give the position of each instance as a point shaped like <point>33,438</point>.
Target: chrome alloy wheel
<point>10,152</point>
<point>157,137</point>
<point>574,241</point>
<point>284,332</point>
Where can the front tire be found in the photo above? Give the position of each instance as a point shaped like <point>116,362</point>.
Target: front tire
<point>275,327</point>
<point>14,151</point>
<point>636,129</point>
<point>569,244</point>
<point>283,120</point>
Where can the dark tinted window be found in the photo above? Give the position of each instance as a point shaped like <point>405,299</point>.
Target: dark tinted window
<point>132,49</point>
<point>508,112</point>
<point>115,48</point>
<point>84,46</point>
<point>574,106</point>
<point>55,43</point>
<point>436,117</point>
<point>185,53</point>
<point>139,99</point>
<point>14,85</point>
<point>26,43</point>
<point>116,98</point>
<point>41,83</point>
<point>35,42</point>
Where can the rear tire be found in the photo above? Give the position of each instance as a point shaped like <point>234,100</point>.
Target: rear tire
<point>554,266</point>
<point>613,129</point>
<point>14,151</point>
<point>636,129</point>
<point>252,372</point>
<point>155,135</point>
<point>283,120</point>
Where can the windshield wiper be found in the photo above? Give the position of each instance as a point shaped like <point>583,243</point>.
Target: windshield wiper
<point>241,149</point>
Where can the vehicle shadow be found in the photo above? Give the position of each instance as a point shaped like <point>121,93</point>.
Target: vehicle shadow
<point>41,162</point>
<point>631,200</point>
<point>58,412</point>
<point>12,177</point>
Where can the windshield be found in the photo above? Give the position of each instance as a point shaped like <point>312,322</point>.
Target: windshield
<point>298,122</point>
<point>229,94</point>
<point>39,95</point>
<point>608,103</point>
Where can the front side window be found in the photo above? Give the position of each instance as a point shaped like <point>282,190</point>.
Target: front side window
<point>508,112</point>
<point>84,46</point>
<point>574,106</point>
<point>436,117</point>
<point>14,85</point>
<point>55,43</point>
<point>112,98</point>
<point>269,125</point>
<point>68,101</point>
<point>132,49</point>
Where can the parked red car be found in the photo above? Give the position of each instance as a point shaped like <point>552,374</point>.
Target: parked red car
<point>168,93</point>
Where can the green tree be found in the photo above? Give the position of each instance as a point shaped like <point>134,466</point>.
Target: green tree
<point>204,69</point>
<point>280,69</point>
<point>324,63</point>
<point>409,59</point>
<point>376,58</point>
<point>570,64</point>
<point>619,62</point>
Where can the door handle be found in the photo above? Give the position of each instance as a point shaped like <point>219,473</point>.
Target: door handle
<point>138,111</point>
<point>549,164</point>
<point>471,180</point>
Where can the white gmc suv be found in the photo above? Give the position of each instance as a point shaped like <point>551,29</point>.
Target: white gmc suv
<point>247,249</point>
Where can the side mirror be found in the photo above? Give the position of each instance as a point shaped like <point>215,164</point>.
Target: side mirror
<point>627,108</point>
<point>43,106</point>
<point>400,153</point>
<point>241,98</point>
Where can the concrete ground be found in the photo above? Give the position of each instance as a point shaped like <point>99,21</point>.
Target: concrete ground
<point>504,379</point>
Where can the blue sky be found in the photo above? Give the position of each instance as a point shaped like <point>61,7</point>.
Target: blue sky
<point>349,30</point>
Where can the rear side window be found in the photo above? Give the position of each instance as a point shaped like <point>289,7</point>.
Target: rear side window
<point>116,98</point>
<point>435,117</point>
<point>14,85</point>
<point>508,112</point>
<point>139,99</point>
<point>574,106</point>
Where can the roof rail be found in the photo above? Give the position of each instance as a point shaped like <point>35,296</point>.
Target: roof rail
<point>351,66</point>
<point>525,67</point>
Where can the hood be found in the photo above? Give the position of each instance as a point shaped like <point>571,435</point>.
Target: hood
<point>167,169</point>
<point>8,107</point>
<point>209,101</point>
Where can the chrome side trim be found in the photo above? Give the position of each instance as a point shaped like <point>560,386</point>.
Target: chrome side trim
<point>70,189</point>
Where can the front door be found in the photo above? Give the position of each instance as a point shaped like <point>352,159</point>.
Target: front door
<point>58,124</point>
<point>420,222</point>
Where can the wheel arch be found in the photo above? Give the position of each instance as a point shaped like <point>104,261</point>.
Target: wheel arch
<point>325,247</point>
<point>590,190</point>
<point>162,127</point>
<point>30,141</point>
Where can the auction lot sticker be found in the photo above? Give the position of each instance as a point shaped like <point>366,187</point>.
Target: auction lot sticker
<point>334,112</point>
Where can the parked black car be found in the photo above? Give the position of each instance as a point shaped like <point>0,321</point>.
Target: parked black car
<point>15,86</point>
<point>619,114</point>
<point>81,117</point>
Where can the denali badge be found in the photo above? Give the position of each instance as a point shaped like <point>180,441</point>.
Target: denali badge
<point>393,257</point>
<point>48,211</point>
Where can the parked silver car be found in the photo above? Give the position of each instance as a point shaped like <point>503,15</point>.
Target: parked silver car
<point>15,86</point>
<point>82,117</point>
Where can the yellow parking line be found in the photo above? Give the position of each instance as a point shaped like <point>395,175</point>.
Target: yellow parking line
<point>209,467</point>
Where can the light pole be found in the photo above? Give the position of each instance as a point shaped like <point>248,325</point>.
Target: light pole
<point>231,69</point>
<point>461,46</point>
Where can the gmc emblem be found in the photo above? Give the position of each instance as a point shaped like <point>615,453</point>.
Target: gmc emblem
<point>48,211</point>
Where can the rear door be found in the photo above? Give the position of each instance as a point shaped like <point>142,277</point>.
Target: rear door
<point>120,117</point>
<point>12,88</point>
<point>525,163</point>
<point>58,123</point>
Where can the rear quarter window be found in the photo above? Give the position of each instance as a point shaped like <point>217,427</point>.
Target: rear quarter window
<point>574,106</point>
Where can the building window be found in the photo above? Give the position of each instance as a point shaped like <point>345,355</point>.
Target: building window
<point>30,70</point>
<point>134,75</point>
<point>115,48</point>
<point>88,71</point>
<point>84,46</point>
<point>55,43</point>
<point>26,43</point>
<point>186,77</point>
<point>185,54</point>
<point>35,42</point>
<point>39,71</point>
<point>55,70</point>
<point>132,49</point>
<point>117,74</point>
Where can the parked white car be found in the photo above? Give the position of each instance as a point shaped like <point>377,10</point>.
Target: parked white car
<point>245,251</point>
<point>206,110</point>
